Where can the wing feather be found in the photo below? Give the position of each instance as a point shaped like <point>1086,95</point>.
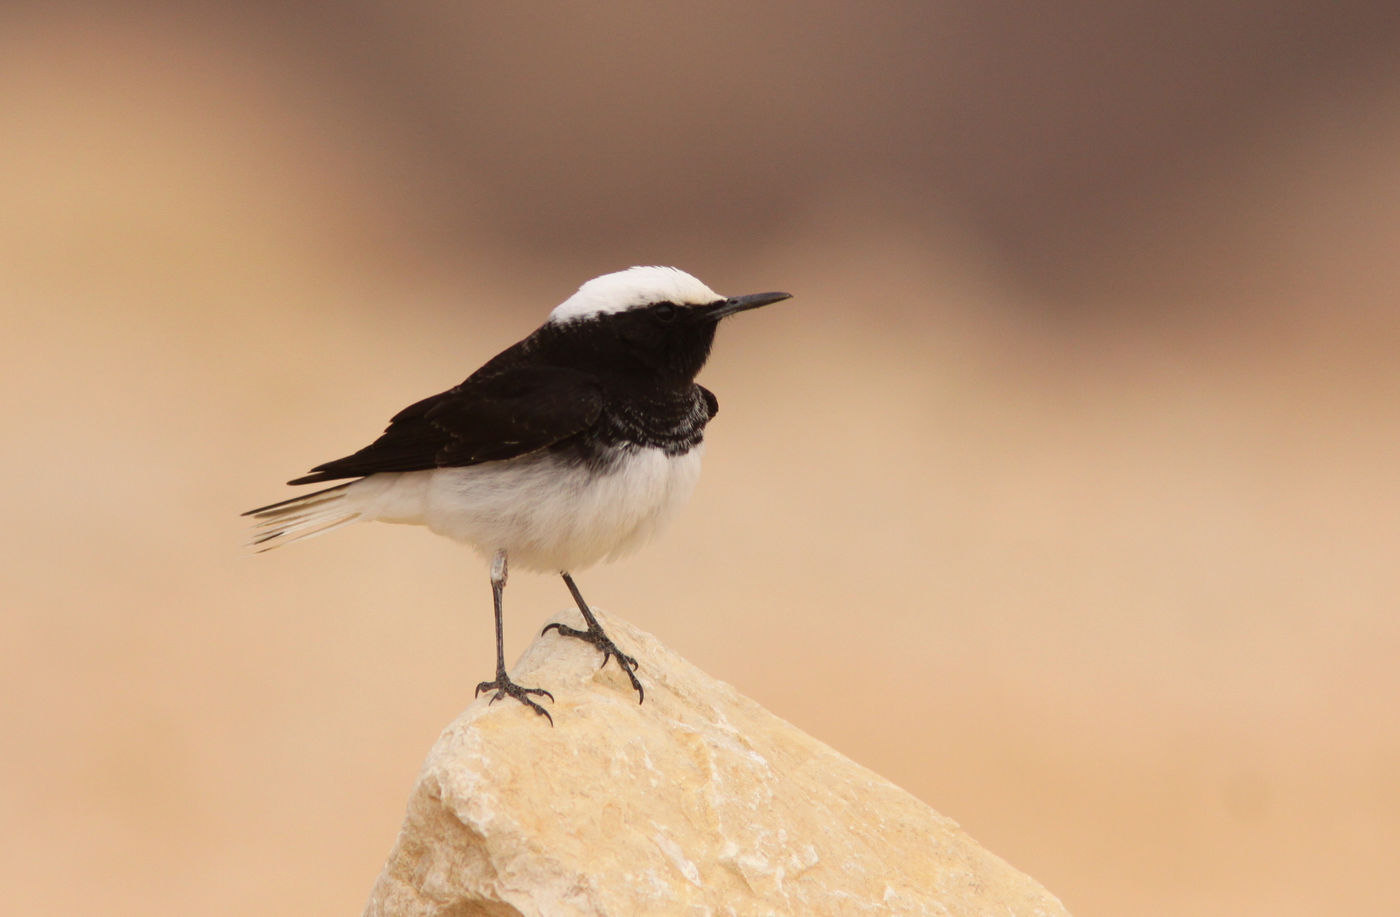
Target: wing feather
<point>498,413</point>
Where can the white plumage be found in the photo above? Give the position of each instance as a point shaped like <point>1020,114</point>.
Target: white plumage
<point>636,286</point>
<point>549,516</point>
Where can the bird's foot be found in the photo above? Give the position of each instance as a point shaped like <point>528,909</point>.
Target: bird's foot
<point>603,642</point>
<point>505,687</point>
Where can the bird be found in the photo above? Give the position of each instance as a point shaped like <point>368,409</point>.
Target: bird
<point>574,446</point>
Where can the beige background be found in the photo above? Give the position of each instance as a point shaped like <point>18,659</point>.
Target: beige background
<point>1064,492</point>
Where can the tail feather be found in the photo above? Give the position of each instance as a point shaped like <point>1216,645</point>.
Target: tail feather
<point>290,519</point>
<point>297,502</point>
<point>301,517</point>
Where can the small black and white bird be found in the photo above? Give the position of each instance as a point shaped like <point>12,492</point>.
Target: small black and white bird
<point>574,446</point>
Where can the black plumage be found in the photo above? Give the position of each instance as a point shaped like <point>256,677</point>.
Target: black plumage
<point>562,388</point>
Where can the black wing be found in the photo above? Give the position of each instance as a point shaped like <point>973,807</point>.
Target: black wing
<point>492,415</point>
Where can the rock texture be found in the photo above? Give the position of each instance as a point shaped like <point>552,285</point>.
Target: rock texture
<point>697,802</point>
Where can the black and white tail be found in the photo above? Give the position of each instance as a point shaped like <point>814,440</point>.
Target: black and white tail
<point>302,517</point>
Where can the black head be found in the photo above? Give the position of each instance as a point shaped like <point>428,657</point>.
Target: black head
<point>650,321</point>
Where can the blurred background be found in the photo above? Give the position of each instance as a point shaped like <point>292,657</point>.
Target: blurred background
<point>1063,494</point>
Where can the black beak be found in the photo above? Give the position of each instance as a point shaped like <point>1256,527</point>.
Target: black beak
<point>719,310</point>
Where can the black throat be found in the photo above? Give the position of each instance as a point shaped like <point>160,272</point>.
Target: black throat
<point>647,374</point>
<point>670,421</point>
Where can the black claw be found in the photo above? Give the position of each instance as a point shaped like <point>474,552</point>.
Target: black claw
<point>603,642</point>
<point>504,686</point>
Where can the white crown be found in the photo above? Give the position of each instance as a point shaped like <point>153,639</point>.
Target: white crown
<point>629,289</point>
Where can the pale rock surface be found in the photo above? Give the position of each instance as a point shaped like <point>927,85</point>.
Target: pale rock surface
<point>697,802</point>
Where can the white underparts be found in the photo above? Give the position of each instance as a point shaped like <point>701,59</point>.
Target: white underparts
<point>549,514</point>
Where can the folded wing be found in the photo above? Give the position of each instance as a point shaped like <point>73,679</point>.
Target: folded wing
<point>496,414</point>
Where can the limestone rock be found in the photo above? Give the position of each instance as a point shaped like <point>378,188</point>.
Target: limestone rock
<point>696,802</point>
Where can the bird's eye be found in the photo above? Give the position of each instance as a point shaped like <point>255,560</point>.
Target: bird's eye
<point>665,312</point>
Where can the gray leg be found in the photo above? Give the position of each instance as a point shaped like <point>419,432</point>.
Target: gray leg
<point>503,685</point>
<point>594,635</point>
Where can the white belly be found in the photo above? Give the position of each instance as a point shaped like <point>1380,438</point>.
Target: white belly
<point>547,515</point>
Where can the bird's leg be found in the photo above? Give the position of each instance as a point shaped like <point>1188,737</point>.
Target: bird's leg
<point>503,685</point>
<point>594,635</point>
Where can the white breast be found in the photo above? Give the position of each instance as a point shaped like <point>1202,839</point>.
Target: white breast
<point>549,515</point>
